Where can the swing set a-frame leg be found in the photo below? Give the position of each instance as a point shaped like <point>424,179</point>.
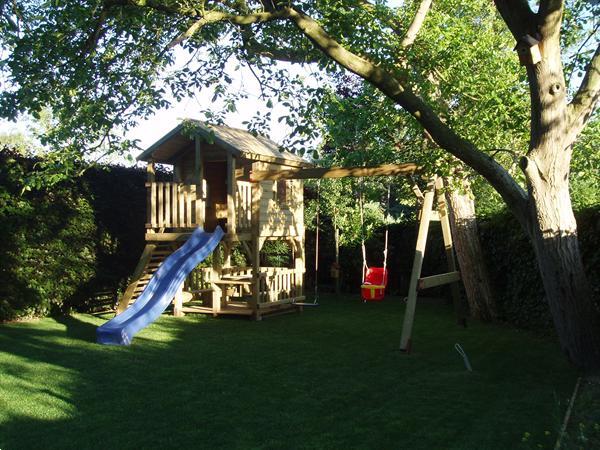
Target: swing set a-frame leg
<point>459,306</point>
<point>409,315</point>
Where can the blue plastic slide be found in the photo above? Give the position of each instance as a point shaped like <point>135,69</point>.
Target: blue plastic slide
<point>161,289</point>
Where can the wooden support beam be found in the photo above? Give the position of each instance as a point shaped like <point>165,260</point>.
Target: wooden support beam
<point>334,172</point>
<point>409,315</point>
<point>178,302</point>
<point>198,166</point>
<point>215,276</point>
<point>460,308</point>
<point>255,248</point>
<point>231,191</point>
<point>438,280</point>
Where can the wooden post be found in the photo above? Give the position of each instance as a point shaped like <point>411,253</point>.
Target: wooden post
<point>178,302</point>
<point>198,180</point>
<point>231,191</point>
<point>215,275</point>
<point>409,315</point>
<point>255,248</point>
<point>151,195</point>
<point>459,307</point>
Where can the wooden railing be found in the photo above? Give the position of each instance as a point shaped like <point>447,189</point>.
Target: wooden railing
<point>279,284</point>
<point>198,279</point>
<point>243,206</point>
<point>174,205</point>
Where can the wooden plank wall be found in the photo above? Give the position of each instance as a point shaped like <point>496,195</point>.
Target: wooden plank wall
<point>281,216</point>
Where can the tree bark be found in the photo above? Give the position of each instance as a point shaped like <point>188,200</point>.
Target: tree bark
<point>554,236</point>
<point>552,226</point>
<point>473,270</point>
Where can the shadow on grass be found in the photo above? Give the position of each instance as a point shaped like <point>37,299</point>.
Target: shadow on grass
<point>77,329</point>
<point>329,378</point>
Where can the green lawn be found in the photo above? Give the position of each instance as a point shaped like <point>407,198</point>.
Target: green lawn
<point>330,378</point>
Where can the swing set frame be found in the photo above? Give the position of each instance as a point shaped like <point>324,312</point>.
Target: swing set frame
<point>433,207</point>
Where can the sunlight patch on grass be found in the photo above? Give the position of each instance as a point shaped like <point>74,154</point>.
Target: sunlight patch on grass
<point>39,391</point>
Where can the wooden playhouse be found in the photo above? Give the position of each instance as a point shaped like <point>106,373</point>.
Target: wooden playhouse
<point>211,186</point>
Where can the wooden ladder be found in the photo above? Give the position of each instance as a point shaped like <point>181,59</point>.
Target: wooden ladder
<point>151,259</point>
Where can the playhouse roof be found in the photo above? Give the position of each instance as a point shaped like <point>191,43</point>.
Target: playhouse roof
<point>238,142</point>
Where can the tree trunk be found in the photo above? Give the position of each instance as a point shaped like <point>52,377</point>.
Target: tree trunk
<point>568,293</point>
<point>551,222</point>
<point>473,269</point>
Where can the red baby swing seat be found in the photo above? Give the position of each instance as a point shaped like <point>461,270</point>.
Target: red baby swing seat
<point>373,286</point>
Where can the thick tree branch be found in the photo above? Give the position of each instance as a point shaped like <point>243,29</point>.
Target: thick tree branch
<point>416,24</point>
<point>518,16</point>
<point>443,135</point>
<point>582,105</point>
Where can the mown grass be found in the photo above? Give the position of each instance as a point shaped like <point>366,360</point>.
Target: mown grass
<point>331,378</point>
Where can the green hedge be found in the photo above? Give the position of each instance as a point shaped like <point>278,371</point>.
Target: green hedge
<point>514,273</point>
<point>64,244</point>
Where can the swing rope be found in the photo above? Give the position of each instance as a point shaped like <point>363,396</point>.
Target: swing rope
<point>361,208</point>
<point>365,266</point>
<point>318,226</point>
<point>387,227</point>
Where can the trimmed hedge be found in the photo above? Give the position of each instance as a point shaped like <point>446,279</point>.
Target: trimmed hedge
<point>64,244</point>
<point>514,274</point>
